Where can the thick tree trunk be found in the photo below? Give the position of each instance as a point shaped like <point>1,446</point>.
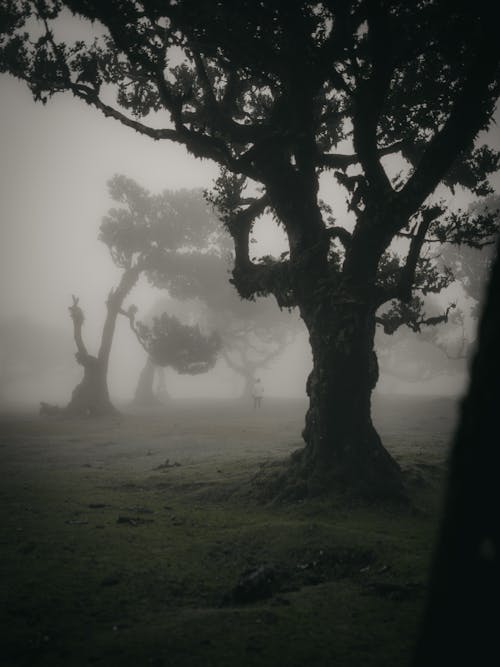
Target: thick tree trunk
<point>342,446</point>
<point>144,393</point>
<point>90,398</point>
<point>460,624</point>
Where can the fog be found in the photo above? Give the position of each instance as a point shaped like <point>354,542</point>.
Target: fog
<point>56,161</point>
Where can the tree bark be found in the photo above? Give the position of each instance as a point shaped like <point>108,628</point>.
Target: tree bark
<point>342,444</point>
<point>460,624</point>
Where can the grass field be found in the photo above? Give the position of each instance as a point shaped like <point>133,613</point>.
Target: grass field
<point>123,542</point>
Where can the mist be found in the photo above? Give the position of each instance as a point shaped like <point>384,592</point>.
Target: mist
<point>56,161</point>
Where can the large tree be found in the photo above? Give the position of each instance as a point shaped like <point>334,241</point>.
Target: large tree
<point>279,92</point>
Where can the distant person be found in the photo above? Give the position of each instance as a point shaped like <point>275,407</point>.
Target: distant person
<point>257,393</point>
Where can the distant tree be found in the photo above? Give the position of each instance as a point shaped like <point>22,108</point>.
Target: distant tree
<point>252,334</point>
<point>131,247</point>
<point>196,275</point>
<point>253,341</point>
<point>471,263</point>
<point>145,395</point>
<point>273,91</point>
<point>460,625</point>
<point>170,343</point>
<point>420,352</point>
<point>141,232</point>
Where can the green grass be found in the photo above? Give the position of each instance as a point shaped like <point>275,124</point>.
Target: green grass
<point>81,588</point>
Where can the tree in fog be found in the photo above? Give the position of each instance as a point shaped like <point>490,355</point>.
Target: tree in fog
<point>169,343</point>
<point>141,232</point>
<point>174,230</point>
<point>192,263</point>
<point>251,334</point>
<point>471,263</point>
<point>421,350</point>
<point>279,93</point>
<point>133,246</point>
<point>420,353</point>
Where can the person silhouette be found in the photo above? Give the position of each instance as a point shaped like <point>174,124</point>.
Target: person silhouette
<point>257,393</point>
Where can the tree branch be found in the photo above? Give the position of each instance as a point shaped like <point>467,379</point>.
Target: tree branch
<point>114,303</point>
<point>130,315</point>
<point>340,233</point>
<point>77,316</point>
<point>468,116</point>
<point>406,315</point>
<point>342,161</point>
<point>250,279</point>
<point>406,280</point>
<point>370,98</point>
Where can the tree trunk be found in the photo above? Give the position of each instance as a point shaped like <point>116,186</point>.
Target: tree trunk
<point>248,380</point>
<point>460,624</point>
<point>342,445</point>
<point>144,393</point>
<point>90,398</point>
<point>161,387</point>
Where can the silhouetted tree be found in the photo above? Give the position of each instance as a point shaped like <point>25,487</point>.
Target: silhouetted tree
<point>142,231</point>
<point>144,394</point>
<point>460,625</point>
<point>180,227</point>
<point>196,274</point>
<point>252,334</point>
<point>132,246</point>
<point>170,343</point>
<point>273,91</point>
<point>251,344</point>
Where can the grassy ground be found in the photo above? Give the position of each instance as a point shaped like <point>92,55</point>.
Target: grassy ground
<point>112,554</point>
